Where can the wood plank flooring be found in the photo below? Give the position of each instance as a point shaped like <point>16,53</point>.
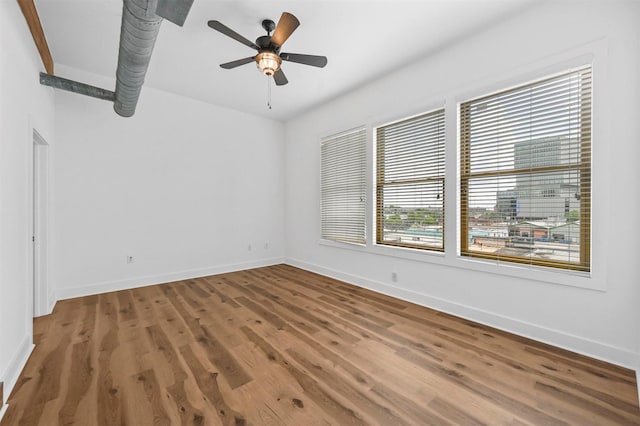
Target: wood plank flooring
<point>282,346</point>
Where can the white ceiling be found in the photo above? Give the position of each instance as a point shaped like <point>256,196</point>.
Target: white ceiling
<point>361,39</point>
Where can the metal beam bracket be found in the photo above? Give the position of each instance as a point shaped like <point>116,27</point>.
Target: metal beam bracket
<point>76,87</point>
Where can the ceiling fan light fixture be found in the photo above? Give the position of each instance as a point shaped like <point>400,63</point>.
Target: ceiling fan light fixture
<point>268,62</point>
<point>268,58</point>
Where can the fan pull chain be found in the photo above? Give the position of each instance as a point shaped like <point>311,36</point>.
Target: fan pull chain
<point>269,92</point>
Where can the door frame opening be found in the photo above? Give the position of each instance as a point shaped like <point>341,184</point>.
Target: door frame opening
<point>40,225</point>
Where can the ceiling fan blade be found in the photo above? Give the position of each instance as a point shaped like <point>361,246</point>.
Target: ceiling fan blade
<point>280,78</point>
<point>286,26</point>
<point>313,60</point>
<point>218,26</point>
<point>234,64</point>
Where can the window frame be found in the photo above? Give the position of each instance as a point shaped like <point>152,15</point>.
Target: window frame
<point>585,186</point>
<point>440,115</point>
<point>337,138</point>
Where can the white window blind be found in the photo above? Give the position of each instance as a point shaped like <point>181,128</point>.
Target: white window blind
<point>410,182</point>
<point>343,187</point>
<point>526,173</point>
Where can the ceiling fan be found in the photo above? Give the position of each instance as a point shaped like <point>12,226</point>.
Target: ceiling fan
<point>269,59</point>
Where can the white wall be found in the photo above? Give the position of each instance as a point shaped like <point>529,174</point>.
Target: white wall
<point>183,186</point>
<point>598,315</point>
<point>24,105</point>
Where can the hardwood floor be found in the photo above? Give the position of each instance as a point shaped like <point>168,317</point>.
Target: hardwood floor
<point>282,346</point>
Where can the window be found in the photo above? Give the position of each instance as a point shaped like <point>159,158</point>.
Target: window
<point>525,170</point>
<point>410,182</point>
<point>343,187</point>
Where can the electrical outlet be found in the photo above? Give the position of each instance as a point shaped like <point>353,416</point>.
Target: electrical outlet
<point>130,259</point>
<point>394,277</point>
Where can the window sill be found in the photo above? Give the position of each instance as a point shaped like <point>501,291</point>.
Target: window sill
<point>583,280</point>
<point>389,251</point>
<point>430,256</point>
<point>343,245</point>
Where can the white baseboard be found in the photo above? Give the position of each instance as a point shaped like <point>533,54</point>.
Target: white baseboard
<point>105,287</point>
<point>51,302</point>
<point>12,373</point>
<point>638,380</point>
<point>557,338</point>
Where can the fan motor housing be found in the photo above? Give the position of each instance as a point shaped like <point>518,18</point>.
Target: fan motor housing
<point>264,42</point>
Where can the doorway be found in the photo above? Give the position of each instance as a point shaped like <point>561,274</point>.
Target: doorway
<point>40,225</point>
